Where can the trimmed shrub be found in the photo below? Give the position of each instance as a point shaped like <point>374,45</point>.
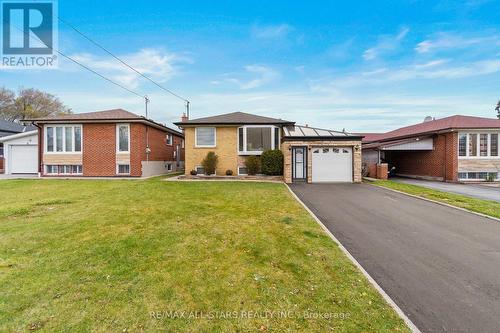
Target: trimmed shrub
<point>193,172</point>
<point>272,162</point>
<point>253,165</point>
<point>229,172</point>
<point>209,163</point>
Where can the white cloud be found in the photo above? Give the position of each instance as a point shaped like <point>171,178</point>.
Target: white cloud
<point>271,31</point>
<point>159,65</point>
<point>444,41</point>
<point>386,43</point>
<point>264,75</point>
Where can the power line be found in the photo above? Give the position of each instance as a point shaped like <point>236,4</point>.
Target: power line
<point>86,67</point>
<point>122,61</point>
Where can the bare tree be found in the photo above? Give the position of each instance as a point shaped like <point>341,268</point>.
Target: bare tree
<point>29,103</point>
<point>498,110</point>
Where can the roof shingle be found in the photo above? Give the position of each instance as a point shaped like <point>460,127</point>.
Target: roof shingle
<point>235,118</point>
<point>452,122</point>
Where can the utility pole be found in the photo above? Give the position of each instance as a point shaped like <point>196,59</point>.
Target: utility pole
<point>187,109</point>
<point>148,150</point>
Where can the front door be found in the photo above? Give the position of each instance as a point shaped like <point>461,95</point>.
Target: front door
<point>299,164</point>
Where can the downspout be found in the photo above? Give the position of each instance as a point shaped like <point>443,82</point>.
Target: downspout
<point>445,157</point>
<point>40,162</point>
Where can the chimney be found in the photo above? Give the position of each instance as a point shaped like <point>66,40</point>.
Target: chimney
<point>184,118</point>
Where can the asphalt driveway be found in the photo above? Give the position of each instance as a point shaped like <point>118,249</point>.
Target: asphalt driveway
<point>471,190</point>
<point>439,264</point>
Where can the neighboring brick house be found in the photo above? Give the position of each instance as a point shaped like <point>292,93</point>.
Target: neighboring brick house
<point>456,148</point>
<point>8,128</point>
<point>106,144</point>
<point>310,154</point>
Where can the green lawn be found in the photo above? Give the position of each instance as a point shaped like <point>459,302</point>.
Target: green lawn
<point>487,207</point>
<point>116,256</point>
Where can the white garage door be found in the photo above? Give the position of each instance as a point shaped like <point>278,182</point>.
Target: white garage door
<point>23,159</point>
<point>332,164</point>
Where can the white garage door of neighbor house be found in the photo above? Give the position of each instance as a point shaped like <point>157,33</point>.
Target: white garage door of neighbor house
<point>332,164</point>
<point>24,159</point>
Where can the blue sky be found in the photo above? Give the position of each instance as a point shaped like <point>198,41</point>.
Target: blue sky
<point>366,66</point>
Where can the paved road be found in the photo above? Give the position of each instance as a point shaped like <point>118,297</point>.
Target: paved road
<point>471,190</point>
<point>439,264</point>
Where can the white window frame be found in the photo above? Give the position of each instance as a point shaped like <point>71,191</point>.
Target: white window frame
<point>54,139</point>
<point>245,152</point>
<point>196,137</point>
<point>118,151</point>
<point>478,143</point>
<point>169,139</point>
<point>477,179</point>
<point>118,169</point>
<point>46,166</point>
<point>242,174</point>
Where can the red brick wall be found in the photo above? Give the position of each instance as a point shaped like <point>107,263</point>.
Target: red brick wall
<point>99,150</point>
<point>160,151</point>
<point>440,162</point>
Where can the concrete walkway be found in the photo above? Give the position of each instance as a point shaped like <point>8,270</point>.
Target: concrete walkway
<point>18,176</point>
<point>471,190</point>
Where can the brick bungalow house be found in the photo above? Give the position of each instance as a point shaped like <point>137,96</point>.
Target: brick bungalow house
<point>107,144</point>
<point>310,154</point>
<point>456,148</point>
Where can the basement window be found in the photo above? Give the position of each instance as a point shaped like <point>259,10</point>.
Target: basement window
<point>242,171</point>
<point>200,170</point>
<point>63,169</point>
<point>477,175</point>
<point>123,169</point>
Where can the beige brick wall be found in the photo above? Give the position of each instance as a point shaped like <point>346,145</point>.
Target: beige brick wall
<point>285,148</point>
<point>478,165</point>
<point>226,148</point>
<point>62,159</point>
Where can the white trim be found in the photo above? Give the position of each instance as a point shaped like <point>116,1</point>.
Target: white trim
<point>118,169</point>
<point>118,138</point>
<point>196,137</point>
<point>17,136</point>
<point>374,283</point>
<point>54,139</point>
<point>245,151</point>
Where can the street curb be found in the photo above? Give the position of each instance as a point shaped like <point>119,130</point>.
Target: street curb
<point>386,297</point>
<point>437,202</point>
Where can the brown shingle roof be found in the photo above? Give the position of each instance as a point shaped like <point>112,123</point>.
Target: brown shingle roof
<point>114,114</point>
<point>235,118</point>
<point>452,122</point>
<point>107,116</point>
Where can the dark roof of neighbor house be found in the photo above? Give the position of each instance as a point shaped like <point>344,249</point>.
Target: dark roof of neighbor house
<point>448,123</point>
<point>9,128</point>
<point>103,116</point>
<point>235,118</point>
<point>306,132</point>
